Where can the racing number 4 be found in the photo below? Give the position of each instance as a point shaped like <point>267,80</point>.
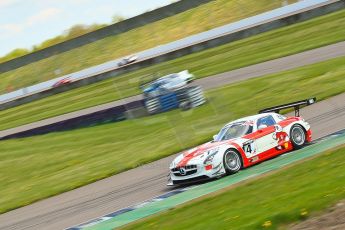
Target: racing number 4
<point>249,148</point>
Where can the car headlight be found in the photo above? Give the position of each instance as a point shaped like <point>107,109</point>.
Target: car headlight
<point>210,155</point>
<point>172,165</point>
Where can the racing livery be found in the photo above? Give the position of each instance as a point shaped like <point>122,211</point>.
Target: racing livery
<point>167,83</point>
<point>242,143</point>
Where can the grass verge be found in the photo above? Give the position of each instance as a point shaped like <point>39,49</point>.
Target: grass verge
<point>285,41</point>
<point>199,19</point>
<point>38,167</point>
<point>287,196</point>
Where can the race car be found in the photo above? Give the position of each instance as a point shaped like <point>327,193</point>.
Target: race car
<point>167,83</point>
<point>243,143</point>
<point>127,60</point>
<point>64,81</point>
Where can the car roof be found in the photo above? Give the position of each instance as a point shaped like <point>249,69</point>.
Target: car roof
<point>250,118</point>
<point>168,76</point>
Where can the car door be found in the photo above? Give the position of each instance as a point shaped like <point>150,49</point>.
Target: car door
<point>264,135</point>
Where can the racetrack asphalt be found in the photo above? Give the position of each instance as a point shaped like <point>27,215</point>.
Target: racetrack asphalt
<point>136,185</point>
<point>261,69</point>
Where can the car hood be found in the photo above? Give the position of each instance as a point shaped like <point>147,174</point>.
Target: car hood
<point>195,155</point>
<point>151,88</point>
<point>198,154</point>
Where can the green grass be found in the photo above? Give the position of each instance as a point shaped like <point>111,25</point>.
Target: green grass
<point>199,19</point>
<point>38,167</point>
<point>285,41</point>
<point>287,196</point>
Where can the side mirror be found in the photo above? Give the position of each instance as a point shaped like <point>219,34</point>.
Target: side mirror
<point>262,126</point>
<point>214,137</point>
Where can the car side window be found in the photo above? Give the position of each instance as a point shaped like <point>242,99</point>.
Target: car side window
<point>250,130</point>
<point>266,121</point>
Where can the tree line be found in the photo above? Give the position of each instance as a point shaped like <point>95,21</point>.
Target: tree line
<point>72,32</point>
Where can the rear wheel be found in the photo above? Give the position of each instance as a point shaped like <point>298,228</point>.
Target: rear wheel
<point>297,136</point>
<point>232,161</point>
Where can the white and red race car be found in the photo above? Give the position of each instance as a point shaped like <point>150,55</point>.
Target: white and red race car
<point>242,143</point>
<point>63,81</point>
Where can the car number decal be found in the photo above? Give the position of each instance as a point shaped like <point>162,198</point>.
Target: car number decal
<point>249,148</point>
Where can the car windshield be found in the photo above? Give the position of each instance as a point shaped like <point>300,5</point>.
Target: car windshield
<point>234,130</point>
<point>172,76</point>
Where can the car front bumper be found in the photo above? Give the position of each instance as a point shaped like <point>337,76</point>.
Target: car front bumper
<point>195,174</point>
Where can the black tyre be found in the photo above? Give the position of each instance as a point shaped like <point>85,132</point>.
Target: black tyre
<point>232,161</point>
<point>190,80</point>
<point>185,105</point>
<point>297,136</point>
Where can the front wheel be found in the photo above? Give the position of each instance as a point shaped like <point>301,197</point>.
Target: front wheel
<point>232,161</point>
<point>297,136</point>
<point>190,80</point>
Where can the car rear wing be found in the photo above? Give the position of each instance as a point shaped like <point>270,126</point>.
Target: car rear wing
<point>296,105</point>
